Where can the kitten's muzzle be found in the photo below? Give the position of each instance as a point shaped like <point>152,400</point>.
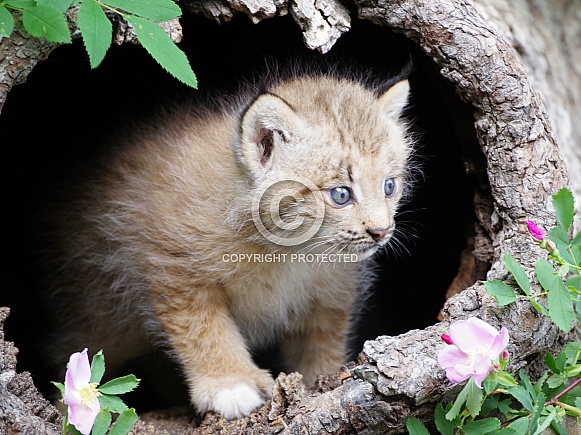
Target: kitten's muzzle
<point>379,233</point>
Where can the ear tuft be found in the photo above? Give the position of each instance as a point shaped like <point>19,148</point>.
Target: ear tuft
<point>394,100</point>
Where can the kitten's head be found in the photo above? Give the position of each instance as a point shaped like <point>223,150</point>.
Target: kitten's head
<point>327,161</point>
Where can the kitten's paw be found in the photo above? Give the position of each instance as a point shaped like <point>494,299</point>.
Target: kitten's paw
<point>233,397</point>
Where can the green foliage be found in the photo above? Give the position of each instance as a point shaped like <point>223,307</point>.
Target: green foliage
<point>96,30</point>
<point>121,385</point>
<point>45,19</point>
<point>108,402</point>
<point>509,406</point>
<point>415,427</point>
<point>160,47</point>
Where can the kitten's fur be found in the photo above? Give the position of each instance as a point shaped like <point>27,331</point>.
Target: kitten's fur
<point>140,250</point>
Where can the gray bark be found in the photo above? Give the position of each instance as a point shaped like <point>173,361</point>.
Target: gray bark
<point>494,59</point>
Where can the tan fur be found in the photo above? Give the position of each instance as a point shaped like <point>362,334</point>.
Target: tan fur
<point>141,249</point>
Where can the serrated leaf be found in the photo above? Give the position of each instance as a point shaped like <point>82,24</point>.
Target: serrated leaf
<point>158,10</point>
<point>556,380</point>
<point>159,45</point>
<point>20,4</point>
<point>96,29</point>
<point>6,22</point>
<point>559,300</point>
<point>444,426</point>
<point>547,420</point>
<point>47,22</point>
<point>564,205</point>
<point>474,398</point>
<point>577,239</point>
<point>124,422</point>
<point>415,427</point>
<point>483,426</point>
<point>520,425</point>
<point>518,272</point>
<point>537,411</point>
<point>561,310</point>
<point>97,367</point>
<point>572,351</point>
<point>502,292</point>
<point>121,385</point>
<point>59,5</point>
<point>113,403</point>
<point>102,422</point>
<point>508,431</point>
<point>559,234</point>
<point>522,395</point>
<point>551,363</point>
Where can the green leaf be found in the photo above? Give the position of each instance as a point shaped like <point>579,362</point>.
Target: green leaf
<point>518,272</point>
<point>556,380</point>
<point>59,5</point>
<point>444,426</point>
<point>577,239</point>
<point>159,45</point>
<point>522,395</point>
<point>572,351</point>
<point>559,301</point>
<point>483,426</point>
<point>520,425</point>
<point>506,379</point>
<point>559,235</point>
<point>564,205</point>
<point>113,403</point>
<point>20,4</point>
<point>474,398</point>
<point>503,293</point>
<point>124,422</point>
<point>60,386</point>
<point>537,411</point>
<point>96,29</point>
<point>47,22</point>
<point>539,307</point>
<point>551,363</point>
<point>6,21</point>
<point>102,422</point>
<point>158,10</point>
<point>97,367</point>
<point>415,427</point>
<point>121,385</point>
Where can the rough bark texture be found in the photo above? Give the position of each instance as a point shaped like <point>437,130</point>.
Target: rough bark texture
<point>398,376</point>
<point>22,409</point>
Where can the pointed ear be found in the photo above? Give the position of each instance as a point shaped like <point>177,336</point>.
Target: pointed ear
<point>268,123</point>
<point>394,100</point>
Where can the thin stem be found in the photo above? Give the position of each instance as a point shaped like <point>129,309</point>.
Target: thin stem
<point>555,399</point>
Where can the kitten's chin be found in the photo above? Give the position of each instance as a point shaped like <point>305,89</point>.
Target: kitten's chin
<point>364,254</point>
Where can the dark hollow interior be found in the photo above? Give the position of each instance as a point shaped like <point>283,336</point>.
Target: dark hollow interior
<point>60,113</point>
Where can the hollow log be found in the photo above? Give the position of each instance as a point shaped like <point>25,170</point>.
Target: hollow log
<point>498,65</point>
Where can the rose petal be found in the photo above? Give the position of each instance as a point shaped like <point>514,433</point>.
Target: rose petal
<point>83,416</point>
<point>451,356</point>
<point>472,334</point>
<point>500,343</point>
<point>79,369</point>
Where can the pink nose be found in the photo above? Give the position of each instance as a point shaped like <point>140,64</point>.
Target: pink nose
<point>378,233</point>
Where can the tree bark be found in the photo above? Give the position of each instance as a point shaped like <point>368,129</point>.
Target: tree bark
<point>486,55</point>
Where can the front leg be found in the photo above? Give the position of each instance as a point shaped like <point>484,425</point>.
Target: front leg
<point>217,365</point>
<point>319,343</point>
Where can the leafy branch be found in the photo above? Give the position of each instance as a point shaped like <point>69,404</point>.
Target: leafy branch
<point>46,19</point>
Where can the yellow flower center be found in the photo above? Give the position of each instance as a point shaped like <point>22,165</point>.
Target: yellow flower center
<point>89,394</point>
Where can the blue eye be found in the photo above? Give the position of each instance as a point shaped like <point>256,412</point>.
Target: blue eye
<point>390,187</point>
<point>340,195</point>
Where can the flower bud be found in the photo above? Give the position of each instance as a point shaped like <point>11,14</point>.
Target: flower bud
<point>535,231</point>
<point>446,339</point>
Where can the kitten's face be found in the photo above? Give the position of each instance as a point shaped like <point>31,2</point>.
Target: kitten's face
<point>343,153</point>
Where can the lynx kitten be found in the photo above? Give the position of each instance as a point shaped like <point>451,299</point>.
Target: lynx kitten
<point>194,235</point>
